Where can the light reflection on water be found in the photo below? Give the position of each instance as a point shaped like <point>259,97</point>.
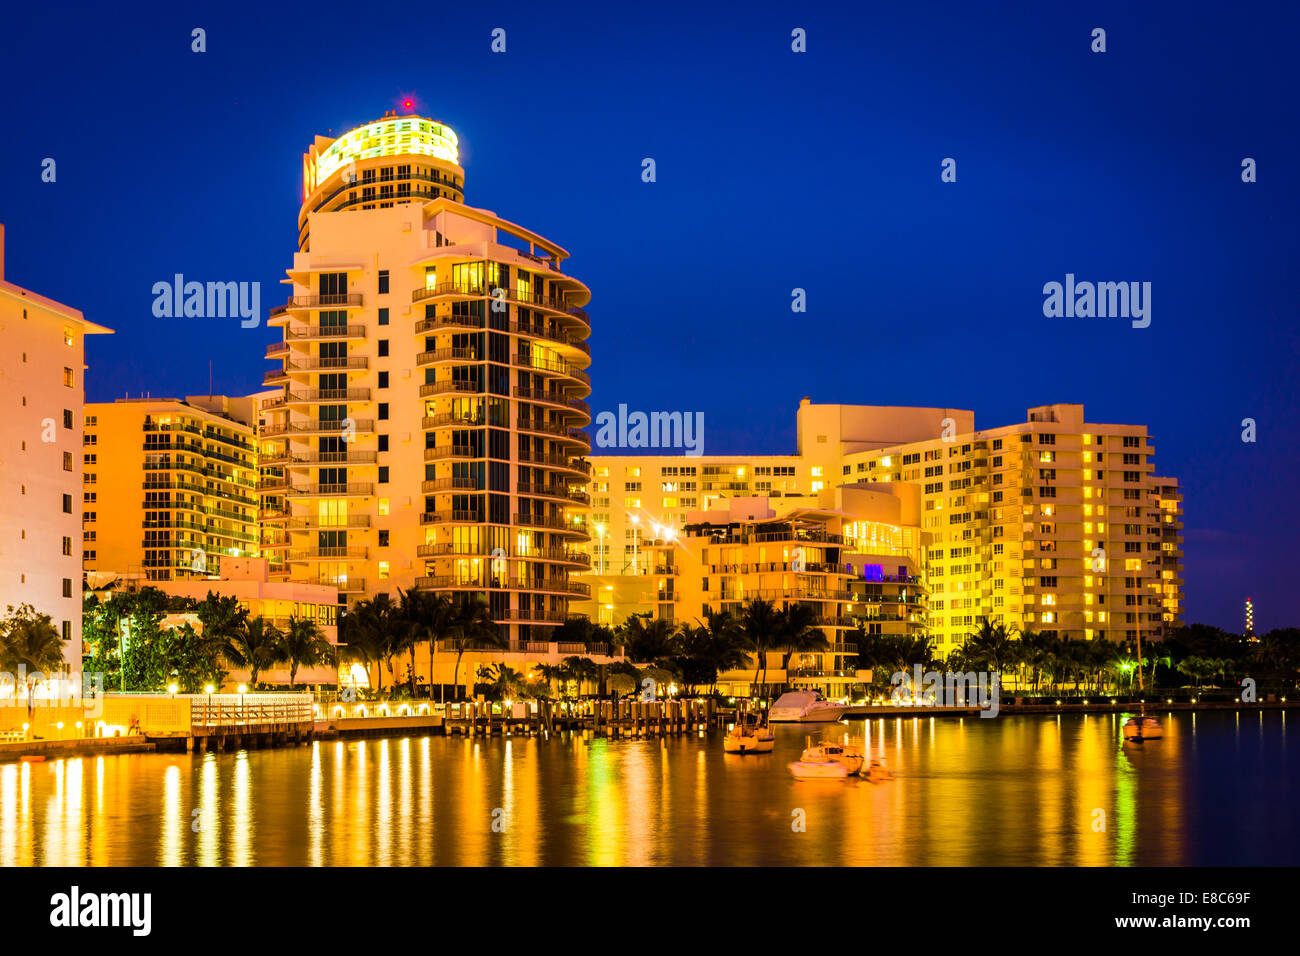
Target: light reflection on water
<point>1218,789</point>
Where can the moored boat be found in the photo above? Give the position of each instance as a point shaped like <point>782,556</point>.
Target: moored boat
<point>850,757</point>
<point>819,770</point>
<point>805,706</point>
<point>1142,728</point>
<point>747,738</point>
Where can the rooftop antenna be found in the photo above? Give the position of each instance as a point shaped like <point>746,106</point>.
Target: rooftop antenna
<point>209,379</point>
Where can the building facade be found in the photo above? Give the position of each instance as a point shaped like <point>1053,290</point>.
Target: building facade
<point>428,427</point>
<point>1054,524</point>
<point>170,486</point>
<point>42,366</point>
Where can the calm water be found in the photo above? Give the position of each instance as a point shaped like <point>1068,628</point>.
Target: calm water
<point>1219,789</point>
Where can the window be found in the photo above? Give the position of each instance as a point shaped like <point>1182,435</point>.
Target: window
<point>383,316</point>
<point>383,410</point>
<point>383,347</point>
<point>67,461</point>
<point>67,587</point>
<point>383,443</point>
<point>383,284</point>
<point>383,474</point>
<point>67,630</point>
<point>383,537</point>
<point>68,380</point>
<point>67,418</point>
<point>383,379</point>
<point>67,504</point>
<point>67,545</point>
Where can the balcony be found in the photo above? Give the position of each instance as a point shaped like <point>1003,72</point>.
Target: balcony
<point>327,554</point>
<point>443,356</point>
<point>354,489</point>
<point>451,387</point>
<point>319,427</point>
<point>345,300</point>
<point>451,517</point>
<point>435,485</point>
<point>443,452</point>
<point>452,421</point>
<point>312,396</point>
<point>317,333</point>
<point>329,523</point>
<point>276,349</point>
<point>310,364</point>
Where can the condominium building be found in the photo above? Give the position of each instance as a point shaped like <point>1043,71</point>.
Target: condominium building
<point>169,486</point>
<point>41,379</point>
<point>1054,524</point>
<point>428,430</point>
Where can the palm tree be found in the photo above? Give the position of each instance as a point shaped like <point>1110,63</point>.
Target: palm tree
<point>798,633</point>
<point>29,641</point>
<point>305,646</point>
<point>473,625</point>
<point>990,648</point>
<point>367,628</point>
<point>431,617</point>
<point>761,624</point>
<point>258,645</point>
<point>646,640</point>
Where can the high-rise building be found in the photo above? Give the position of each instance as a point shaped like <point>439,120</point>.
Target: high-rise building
<point>41,375</point>
<point>428,430</point>
<point>170,487</point>
<point>1054,524</point>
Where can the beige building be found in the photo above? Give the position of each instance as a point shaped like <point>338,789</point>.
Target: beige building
<point>42,366</point>
<point>1054,524</point>
<point>169,486</point>
<point>431,374</point>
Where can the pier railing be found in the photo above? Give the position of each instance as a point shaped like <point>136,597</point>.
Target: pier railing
<point>251,712</point>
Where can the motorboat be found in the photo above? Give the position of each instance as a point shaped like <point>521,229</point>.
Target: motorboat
<point>748,738</point>
<point>850,757</point>
<point>1142,728</point>
<point>819,770</point>
<point>805,706</point>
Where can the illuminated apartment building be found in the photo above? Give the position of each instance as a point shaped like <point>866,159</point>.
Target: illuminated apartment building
<point>41,369</point>
<point>170,486</point>
<point>1054,524</point>
<point>428,428</point>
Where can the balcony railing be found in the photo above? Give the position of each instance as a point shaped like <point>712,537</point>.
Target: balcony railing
<point>330,301</point>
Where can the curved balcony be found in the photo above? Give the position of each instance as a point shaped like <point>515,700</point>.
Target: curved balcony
<point>555,523</point>
<point>275,376</point>
<point>551,305</point>
<point>449,582</point>
<point>276,349</point>
<point>560,462</point>
<point>313,364</point>
<point>555,431</point>
<point>317,426</point>
<point>352,489</point>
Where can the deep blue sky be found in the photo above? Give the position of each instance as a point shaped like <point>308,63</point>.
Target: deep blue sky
<point>775,170</point>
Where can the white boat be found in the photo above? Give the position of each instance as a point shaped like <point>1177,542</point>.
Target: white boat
<point>746,738</point>
<point>851,758</point>
<point>819,770</point>
<point>1143,728</point>
<point>805,706</point>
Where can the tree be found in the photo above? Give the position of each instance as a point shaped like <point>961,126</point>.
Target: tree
<point>367,628</point>
<point>29,642</point>
<point>647,640</point>
<point>305,646</point>
<point>798,633</point>
<point>258,645</point>
<point>431,617</point>
<point>761,624</point>
<point>473,626</point>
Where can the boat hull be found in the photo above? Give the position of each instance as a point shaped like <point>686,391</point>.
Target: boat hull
<point>812,715</point>
<point>748,744</point>
<point>1143,728</point>
<point>819,770</point>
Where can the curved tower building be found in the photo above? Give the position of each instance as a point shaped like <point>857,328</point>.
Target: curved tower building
<point>428,432</point>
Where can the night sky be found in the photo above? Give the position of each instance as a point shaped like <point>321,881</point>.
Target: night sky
<point>776,170</point>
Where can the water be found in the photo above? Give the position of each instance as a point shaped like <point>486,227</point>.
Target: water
<point>1218,789</point>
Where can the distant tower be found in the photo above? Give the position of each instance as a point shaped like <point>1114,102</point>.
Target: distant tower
<point>1250,618</point>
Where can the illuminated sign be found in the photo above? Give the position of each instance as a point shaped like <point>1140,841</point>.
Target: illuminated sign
<point>406,135</point>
